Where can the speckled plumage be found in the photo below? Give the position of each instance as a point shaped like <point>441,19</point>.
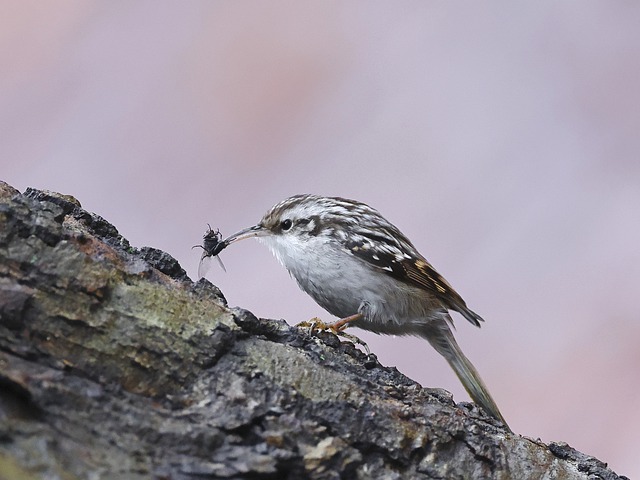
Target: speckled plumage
<point>373,243</point>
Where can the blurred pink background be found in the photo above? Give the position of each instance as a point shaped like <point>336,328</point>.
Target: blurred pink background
<point>502,138</point>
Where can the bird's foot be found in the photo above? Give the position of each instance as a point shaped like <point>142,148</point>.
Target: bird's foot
<point>337,328</point>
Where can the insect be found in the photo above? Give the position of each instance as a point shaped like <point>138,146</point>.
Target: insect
<point>211,247</point>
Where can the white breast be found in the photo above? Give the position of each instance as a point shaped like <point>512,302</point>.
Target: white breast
<point>344,285</point>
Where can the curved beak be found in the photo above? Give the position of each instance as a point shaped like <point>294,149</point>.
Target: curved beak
<point>255,231</point>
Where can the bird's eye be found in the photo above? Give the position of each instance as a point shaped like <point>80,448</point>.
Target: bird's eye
<point>286,224</point>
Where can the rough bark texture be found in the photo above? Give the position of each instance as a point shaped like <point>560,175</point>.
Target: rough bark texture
<point>114,364</point>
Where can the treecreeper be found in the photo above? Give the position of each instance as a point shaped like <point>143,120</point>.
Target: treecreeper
<point>361,268</point>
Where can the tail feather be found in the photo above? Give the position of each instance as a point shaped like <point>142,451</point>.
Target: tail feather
<point>470,315</point>
<point>440,337</point>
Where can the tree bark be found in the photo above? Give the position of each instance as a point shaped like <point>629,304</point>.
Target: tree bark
<point>114,364</point>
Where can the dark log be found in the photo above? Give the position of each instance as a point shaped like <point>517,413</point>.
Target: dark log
<point>115,365</point>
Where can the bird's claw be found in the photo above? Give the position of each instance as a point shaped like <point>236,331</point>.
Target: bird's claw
<point>316,324</point>
<point>337,328</point>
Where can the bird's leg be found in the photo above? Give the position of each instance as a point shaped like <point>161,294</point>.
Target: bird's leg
<point>336,327</point>
<point>340,325</point>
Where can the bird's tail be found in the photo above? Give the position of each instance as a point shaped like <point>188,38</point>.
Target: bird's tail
<point>440,337</point>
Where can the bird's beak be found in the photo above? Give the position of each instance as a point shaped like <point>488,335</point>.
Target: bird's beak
<point>255,231</point>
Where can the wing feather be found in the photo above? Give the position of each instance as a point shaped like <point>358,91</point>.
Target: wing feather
<point>411,268</point>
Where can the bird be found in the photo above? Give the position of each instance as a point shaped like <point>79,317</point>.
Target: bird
<point>361,268</point>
